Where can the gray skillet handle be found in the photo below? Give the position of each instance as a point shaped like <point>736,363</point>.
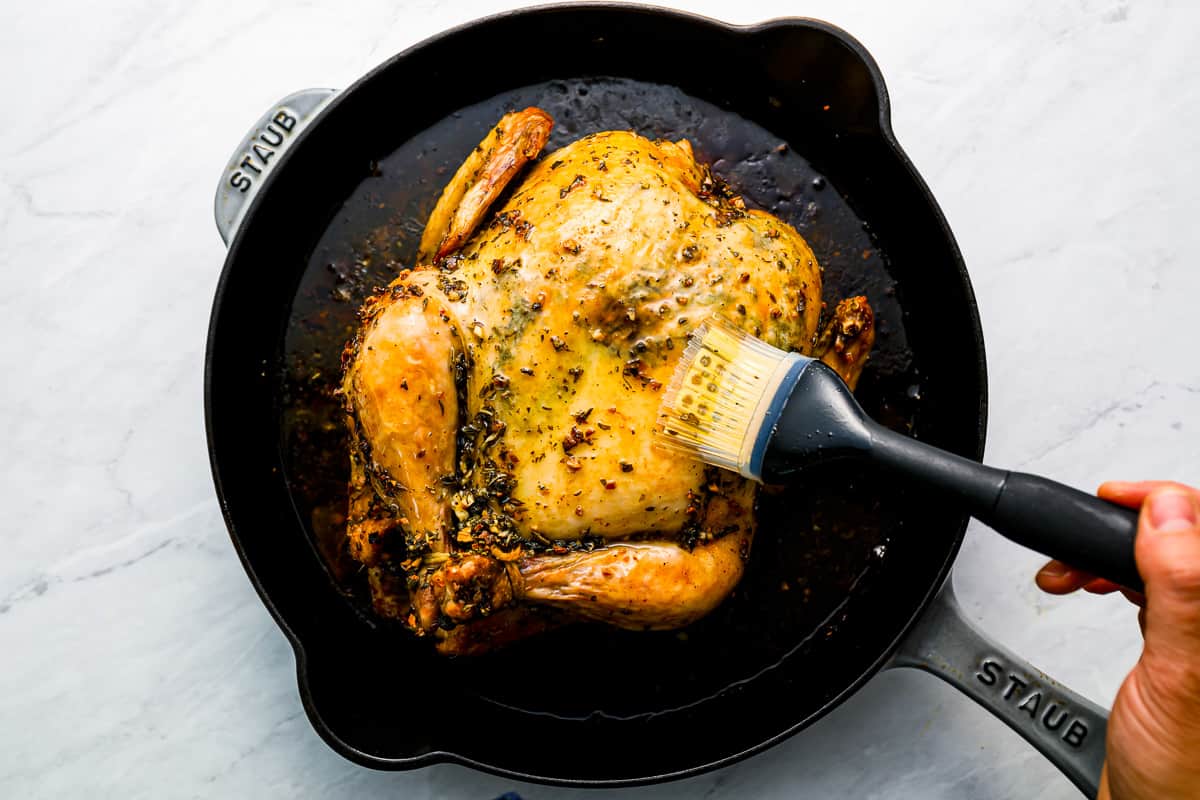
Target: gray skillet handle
<point>260,151</point>
<point>1068,729</point>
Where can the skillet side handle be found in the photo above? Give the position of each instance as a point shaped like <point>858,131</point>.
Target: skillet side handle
<point>259,152</point>
<point>1065,727</point>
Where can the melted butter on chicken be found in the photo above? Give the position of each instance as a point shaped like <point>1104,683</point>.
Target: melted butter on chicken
<point>502,394</point>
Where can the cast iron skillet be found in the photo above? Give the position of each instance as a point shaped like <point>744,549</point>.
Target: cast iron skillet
<point>794,112</point>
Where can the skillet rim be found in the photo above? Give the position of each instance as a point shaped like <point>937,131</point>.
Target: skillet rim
<point>437,756</point>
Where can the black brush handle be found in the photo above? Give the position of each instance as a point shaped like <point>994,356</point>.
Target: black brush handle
<point>821,421</point>
<point>1064,523</point>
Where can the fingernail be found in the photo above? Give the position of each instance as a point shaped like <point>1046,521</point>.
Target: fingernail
<point>1172,511</point>
<point>1055,569</point>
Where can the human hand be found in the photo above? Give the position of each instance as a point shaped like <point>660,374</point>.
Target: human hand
<point>1153,746</point>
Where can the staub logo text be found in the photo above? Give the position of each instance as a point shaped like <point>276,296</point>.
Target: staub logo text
<point>1053,715</point>
<point>262,149</point>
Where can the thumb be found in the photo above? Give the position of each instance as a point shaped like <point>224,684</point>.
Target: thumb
<point>1167,550</point>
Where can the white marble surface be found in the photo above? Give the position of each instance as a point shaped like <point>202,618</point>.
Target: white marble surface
<point>1060,138</point>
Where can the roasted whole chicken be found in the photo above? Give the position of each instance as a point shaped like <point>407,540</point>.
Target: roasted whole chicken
<point>502,395</point>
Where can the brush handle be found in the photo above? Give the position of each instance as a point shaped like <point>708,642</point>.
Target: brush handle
<point>1064,523</point>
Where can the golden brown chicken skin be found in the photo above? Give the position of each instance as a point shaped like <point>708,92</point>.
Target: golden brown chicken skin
<point>502,394</point>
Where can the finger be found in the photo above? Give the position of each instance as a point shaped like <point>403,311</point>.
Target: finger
<point>1133,493</point>
<point>1137,598</point>
<point>1167,550</point>
<point>1100,586</point>
<point>1059,578</point>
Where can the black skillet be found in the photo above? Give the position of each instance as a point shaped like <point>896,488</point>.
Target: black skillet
<point>850,572</point>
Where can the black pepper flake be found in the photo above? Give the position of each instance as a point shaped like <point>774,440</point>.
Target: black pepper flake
<point>404,384</point>
<point>625,466</point>
<point>689,254</point>
<point>582,416</point>
<point>559,344</point>
<point>526,371</point>
<point>575,373</point>
<point>575,183</point>
<point>602,426</point>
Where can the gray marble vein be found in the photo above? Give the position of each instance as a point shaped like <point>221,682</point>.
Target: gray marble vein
<point>1060,138</point>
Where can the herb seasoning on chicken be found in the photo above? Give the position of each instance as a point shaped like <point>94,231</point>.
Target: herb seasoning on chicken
<point>501,394</point>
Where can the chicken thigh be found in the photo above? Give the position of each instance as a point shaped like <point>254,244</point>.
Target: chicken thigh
<point>502,395</point>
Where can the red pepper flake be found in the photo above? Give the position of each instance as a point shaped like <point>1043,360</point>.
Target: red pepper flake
<point>577,437</point>
<point>609,484</point>
<point>573,463</point>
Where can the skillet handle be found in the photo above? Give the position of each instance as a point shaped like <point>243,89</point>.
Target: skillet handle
<point>1065,727</point>
<point>259,152</point>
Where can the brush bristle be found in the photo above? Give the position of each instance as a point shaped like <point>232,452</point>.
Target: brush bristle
<point>714,406</point>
